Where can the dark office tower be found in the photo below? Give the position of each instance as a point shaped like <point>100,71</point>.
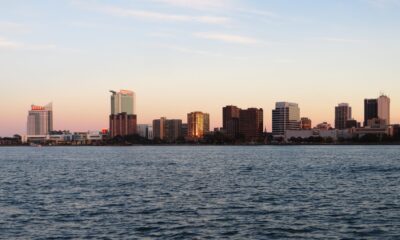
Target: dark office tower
<point>285,116</point>
<point>230,120</point>
<point>342,115</point>
<point>122,124</point>
<point>306,123</point>
<point>370,110</point>
<point>173,130</point>
<point>251,123</point>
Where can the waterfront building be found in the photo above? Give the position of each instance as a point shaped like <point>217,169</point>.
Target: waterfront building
<point>342,115</point>
<point>173,130</point>
<point>306,123</point>
<point>122,124</point>
<point>384,109</point>
<point>167,129</point>
<point>251,123</point>
<point>198,125</point>
<point>143,130</point>
<point>184,129</point>
<point>377,108</point>
<point>40,120</point>
<point>123,120</point>
<point>159,128</point>
<point>123,101</point>
<point>324,126</point>
<point>230,120</point>
<point>352,124</point>
<point>313,133</point>
<point>285,116</point>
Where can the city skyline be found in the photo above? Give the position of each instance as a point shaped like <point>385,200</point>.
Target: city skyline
<point>244,53</point>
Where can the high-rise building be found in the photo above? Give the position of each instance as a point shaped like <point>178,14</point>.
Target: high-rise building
<point>123,102</point>
<point>40,120</point>
<point>230,120</point>
<point>251,123</point>
<point>122,124</point>
<point>123,120</point>
<point>159,128</point>
<point>342,115</point>
<point>173,130</point>
<point>285,116</point>
<point>306,123</point>
<point>198,124</point>
<point>167,129</point>
<point>377,108</point>
<point>384,109</point>
<point>370,110</point>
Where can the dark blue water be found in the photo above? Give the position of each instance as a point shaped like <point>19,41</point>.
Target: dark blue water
<point>200,192</point>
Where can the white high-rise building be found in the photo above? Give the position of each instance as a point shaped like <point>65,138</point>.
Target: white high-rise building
<point>285,116</point>
<point>123,101</point>
<point>384,109</point>
<point>40,120</point>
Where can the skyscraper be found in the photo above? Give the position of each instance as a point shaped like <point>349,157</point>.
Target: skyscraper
<point>159,128</point>
<point>198,124</point>
<point>285,116</point>
<point>40,120</point>
<point>230,120</point>
<point>342,115</point>
<point>377,108</point>
<point>251,123</point>
<point>384,108</point>
<point>123,120</point>
<point>370,110</point>
<point>167,129</point>
<point>123,101</point>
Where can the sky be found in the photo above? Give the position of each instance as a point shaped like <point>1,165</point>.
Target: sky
<point>181,56</point>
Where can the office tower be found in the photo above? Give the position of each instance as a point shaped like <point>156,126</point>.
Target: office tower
<point>198,124</point>
<point>173,130</point>
<point>384,109</point>
<point>251,123</point>
<point>122,124</point>
<point>40,120</point>
<point>123,121</point>
<point>159,128</point>
<point>370,110</point>
<point>342,115</point>
<point>230,120</point>
<point>167,129</point>
<point>306,123</point>
<point>123,101</point>
<point>285,116</point>
<point>377,108</point>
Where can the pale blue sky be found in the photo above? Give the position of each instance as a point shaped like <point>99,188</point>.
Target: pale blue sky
<point>186,55</point>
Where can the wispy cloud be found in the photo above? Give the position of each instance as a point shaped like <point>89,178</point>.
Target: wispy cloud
<point>384,3</point>
<point>12,27</point>
<point>153,15</point>
<point>14,45</point>
<point>238,39</point>
<point>192,51</point>
<point>341,40</point>
<point>198,4</point>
